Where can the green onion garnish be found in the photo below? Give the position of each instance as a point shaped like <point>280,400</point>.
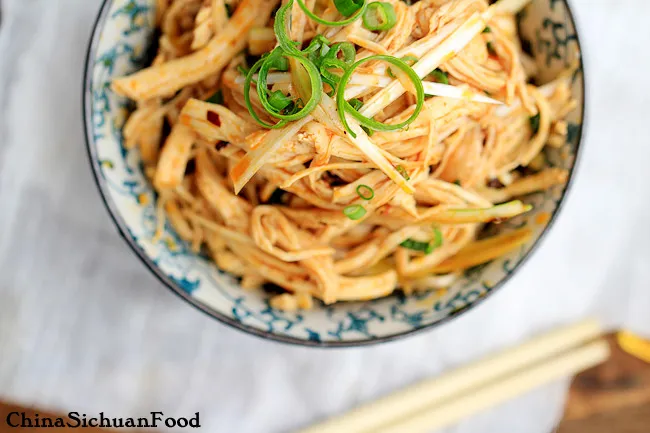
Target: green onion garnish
<point>340,56</point>
<point>242,70</point>
<point>365,192</point>
<point>410,59</point>
<point>281,26</point>
<point>379,16</point>
<point>534,123</point>
<point>440,76</point>
<point>491,50</point>
<point>343,51</point>
<point>437,238</point>
<point>425,247</point>
<point>401,170</point>
<point>355,103</point>
<point>247,97</point>
<point>348,7</point>
<point>217,98</point>
<point>354,212</point>
<point>344,106</point>
<point>276,60</point>
<point>279,100</point>
<point>487,30</point>
<point>356,12</point>
<point>414,245</point>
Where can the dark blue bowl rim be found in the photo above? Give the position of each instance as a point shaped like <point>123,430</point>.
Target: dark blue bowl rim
<point>123,230</point>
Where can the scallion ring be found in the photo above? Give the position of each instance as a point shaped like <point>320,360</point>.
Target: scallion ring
<point>365,192</point>
<point>410,59</point>
<point>346,49</point>
<point>414,245</point>
<point>425,247</point>
<point>327,64</point>
<point>379,16</point>
<point>315,82</point>
<point>401,170</point>
<point>354,212</point>
<point>437,238</point>
<point>279,100</point>
<point>356,103</point>
<point>247,97</point>
<point>280,27</point>
<point>440,76</point>
<point>343,106</point>
<point>349,7</point>
<point>353,16</point>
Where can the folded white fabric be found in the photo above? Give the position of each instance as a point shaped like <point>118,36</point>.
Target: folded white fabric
<point>84,327</point>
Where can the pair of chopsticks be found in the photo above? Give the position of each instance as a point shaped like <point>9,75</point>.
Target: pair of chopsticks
<point>439,402</point>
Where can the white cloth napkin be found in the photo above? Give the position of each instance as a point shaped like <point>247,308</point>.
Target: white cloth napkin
<point>84,327</point>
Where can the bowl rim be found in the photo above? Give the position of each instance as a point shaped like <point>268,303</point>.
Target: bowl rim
<point>87,115</point>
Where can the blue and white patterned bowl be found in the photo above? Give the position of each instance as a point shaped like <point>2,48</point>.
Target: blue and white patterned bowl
<point>122,35</point>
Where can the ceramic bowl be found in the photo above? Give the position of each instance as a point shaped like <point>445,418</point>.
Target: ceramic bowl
<point>122,35</point>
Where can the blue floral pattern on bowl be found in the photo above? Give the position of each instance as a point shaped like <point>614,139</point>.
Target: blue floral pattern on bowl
<point>122,35</point>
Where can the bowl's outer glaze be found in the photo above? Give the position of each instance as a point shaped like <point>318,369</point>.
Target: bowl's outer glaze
<point>119,44</point>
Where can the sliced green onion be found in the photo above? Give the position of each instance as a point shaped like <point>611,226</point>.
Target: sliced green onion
<point>318,42</point>
<point>279,100</point>
<point>354,212</point>
<point>401,170</point>
<point>440,76</point>
<point>487,30</point>
<point>242,70</point>
<point>534,123</point>
<point>437,238</point>
<point>410,59</point>
<point>356,103</point>
<point>414,245</point>
<point>281,26</point>
<point>348,7</point>
<point>346,49</point>
<point>365,192</point>
<point>425,247</point>
<point>491,50</point>
<point>344,106</point>
<point>356,12</point>
<point>217,98</point>
<point>247,97</point>
<point>379,16</point>
<point>315,83</point>
<point>317,49</point>
<point>327,64</point>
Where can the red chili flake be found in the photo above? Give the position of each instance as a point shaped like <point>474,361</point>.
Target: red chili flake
<point>214,118</point>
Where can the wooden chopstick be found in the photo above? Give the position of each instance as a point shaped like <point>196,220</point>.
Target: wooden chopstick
<point>420,397</point>
<point>567,364</point>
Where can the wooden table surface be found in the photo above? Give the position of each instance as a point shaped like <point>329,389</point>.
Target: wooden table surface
<point>611,398</point>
